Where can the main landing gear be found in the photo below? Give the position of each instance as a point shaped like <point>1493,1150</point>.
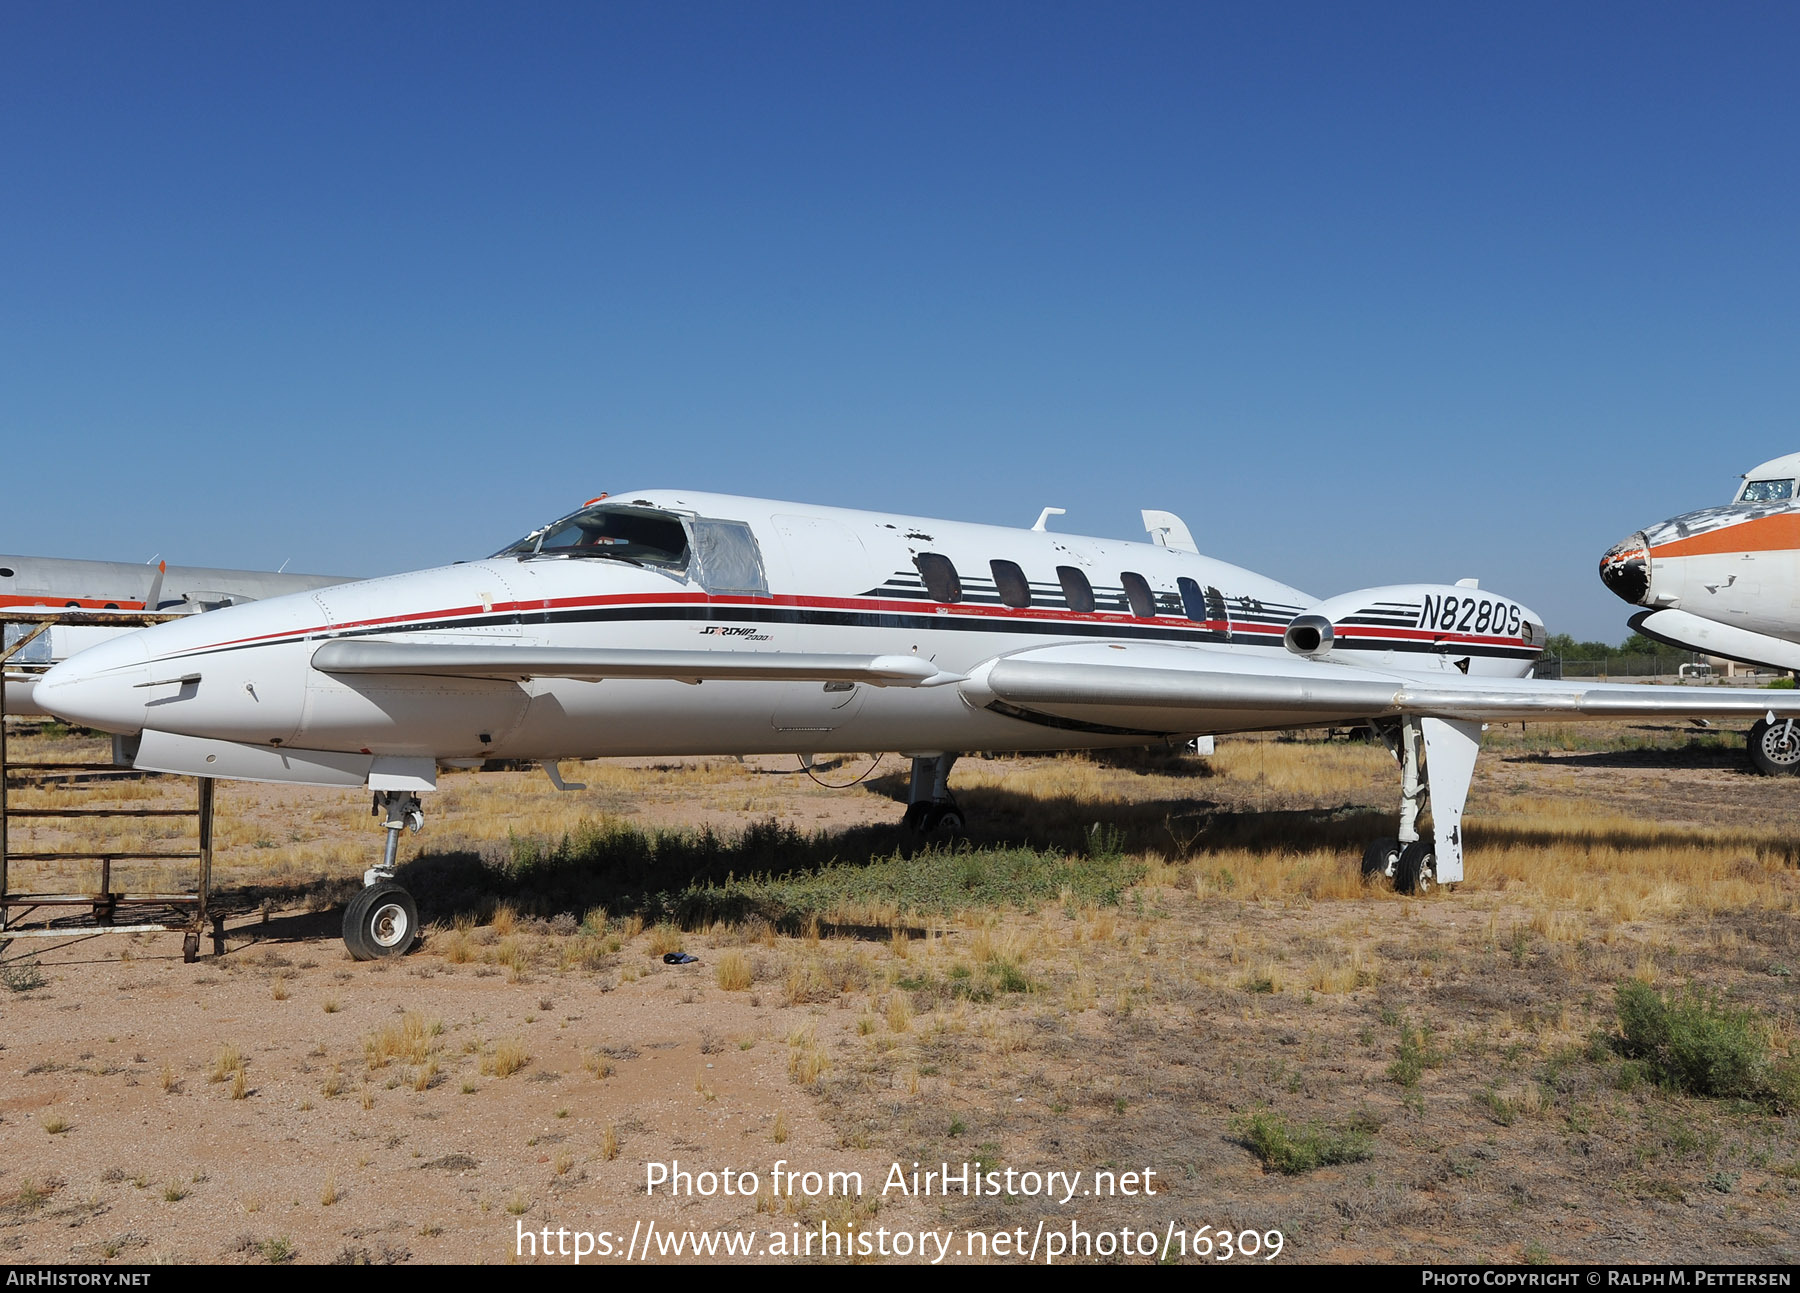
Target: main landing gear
<point>1437,761</point>
<point>383,920</point>
<point>1774,748</point>
<point>931,809</point>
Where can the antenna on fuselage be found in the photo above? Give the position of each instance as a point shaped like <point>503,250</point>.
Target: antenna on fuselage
<point>1045,515</point>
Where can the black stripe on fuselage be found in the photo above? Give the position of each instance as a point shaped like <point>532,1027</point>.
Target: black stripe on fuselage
<point>892,620</point>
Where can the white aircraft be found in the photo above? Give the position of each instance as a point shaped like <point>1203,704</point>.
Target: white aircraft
<point>31,584</point>
<point>1725,581</point>
<point>669,622</point>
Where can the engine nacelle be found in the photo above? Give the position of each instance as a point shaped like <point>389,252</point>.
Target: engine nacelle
<point>1309,635</point>
<point>1421,626</point>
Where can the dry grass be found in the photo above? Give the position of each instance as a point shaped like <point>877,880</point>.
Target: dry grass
<point>506,1058</point>
<point>734,972</point>
<point>228,1061</point>
<point>412,1041</point>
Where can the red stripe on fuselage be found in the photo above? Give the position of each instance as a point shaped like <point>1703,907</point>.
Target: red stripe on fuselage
<point>865,605</point>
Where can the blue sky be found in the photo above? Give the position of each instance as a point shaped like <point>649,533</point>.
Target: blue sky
<point>1367,293</point>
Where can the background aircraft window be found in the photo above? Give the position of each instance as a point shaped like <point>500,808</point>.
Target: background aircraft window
<point>1077,591</point>
<point>1015,589</point>
<point>1767,491</point>
<point>1193,600</point>
<point>940,577</point>
<point>637,535</point>
<point>1137,592</point>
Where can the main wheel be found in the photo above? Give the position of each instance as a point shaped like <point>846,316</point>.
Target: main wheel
<point>1416,872</point>
<point>942,820</point>
<point>381,921</point>
<point>1774,751</point>
<point>1381,857</point>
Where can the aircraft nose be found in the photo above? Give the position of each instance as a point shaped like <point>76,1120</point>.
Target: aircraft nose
<point>99,687</point>
<point>1626,569</point>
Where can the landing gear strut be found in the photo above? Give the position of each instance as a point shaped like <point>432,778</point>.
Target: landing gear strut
<point>1435,755</point>
<point>383,920</point>
<point>931,809</point>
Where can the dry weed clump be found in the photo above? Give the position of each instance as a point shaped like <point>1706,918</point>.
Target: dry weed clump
<point>806,981</point>
<point>410,1041</point>
<point>734,971</point>
<point>228,1060</point>
<point>807,1059</point>
<point>507,1058</point>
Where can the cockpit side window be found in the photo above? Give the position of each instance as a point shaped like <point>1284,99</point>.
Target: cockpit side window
<point>638,535</point>
<point>1766,491</point>
<point>940,577</point>
<point>728,558</point>
<point>1014,588</point>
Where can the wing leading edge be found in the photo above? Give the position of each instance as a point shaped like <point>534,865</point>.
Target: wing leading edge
<point>1193,689</point>
<point>516,663</point>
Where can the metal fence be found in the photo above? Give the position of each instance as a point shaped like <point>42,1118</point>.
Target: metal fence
<point>1662,664</point>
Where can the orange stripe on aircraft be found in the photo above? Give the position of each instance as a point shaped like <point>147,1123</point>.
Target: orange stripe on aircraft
<point>1764,534</point>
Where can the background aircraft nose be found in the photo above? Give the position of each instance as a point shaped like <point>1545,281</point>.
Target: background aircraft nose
<point>1626,569</point>
<point>99,687</point>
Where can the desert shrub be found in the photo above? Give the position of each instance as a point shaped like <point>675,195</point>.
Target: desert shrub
<point>1293,1150</point>
<point>1697,1043</point>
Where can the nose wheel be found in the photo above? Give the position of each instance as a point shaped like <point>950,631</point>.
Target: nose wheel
<point>383,920</point>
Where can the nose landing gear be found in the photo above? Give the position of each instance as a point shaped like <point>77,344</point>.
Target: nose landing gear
<point>383,920</point>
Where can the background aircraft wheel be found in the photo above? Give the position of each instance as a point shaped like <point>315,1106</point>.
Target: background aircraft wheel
<point>190,947</point>
<point>1416,871</point>
<point>1772,751</point>
<point>1381,858</point>
<point>382,920</point>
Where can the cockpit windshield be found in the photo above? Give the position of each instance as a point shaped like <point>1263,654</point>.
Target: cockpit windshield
<point>1766,491</point>
<point>638,535</point>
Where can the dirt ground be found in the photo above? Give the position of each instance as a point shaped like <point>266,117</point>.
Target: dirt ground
<point>526,1067</point>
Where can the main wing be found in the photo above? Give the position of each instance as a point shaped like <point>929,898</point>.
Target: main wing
<point>1174,689</point>
<point>516,663</point>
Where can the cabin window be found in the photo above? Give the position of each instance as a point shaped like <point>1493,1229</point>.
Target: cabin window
<point>1077,591</point>
<point>1193,600</point>
<point>1015,589</point>
<point>1137,592</point>
<point>1767,491</point>
<point>940,577</point>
